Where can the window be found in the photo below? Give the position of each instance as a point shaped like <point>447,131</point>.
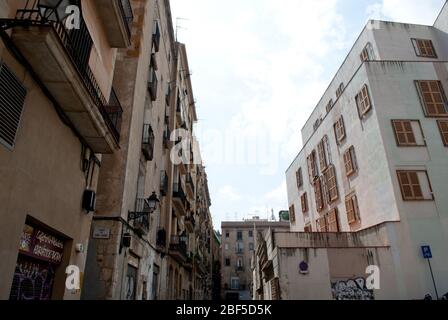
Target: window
<point>322,224</point>
<point>239,263</point>
<point>339,130</point>
<point>330,106</point>
<point>153,83</point>
<point>350,161</point>
<point>251,234</point>
<point>239,247</point>
<point>227,234</point>
<point>251,246</point>
<point>351,206</point>
<point>443,127</point>
<point>304,202</point>
<point>363,101</point>
<point>317,124</point>
<point>404,133</point>
<point>239,235</point>
<point>332,221</point>
<point>308,228</point>
<point>424,48</point>
<point>299,178</point>
<point>156,36</point>
<point>312,165</point>
<point>235,284</point>
<point>318,195</point>
<point>226,246</point>
<point>12,100</point>
<point>340,90</point>
<point>228,262</point>
<point>433,98</point>
<point>415,185</point>
<point>331,184</point>
<point>322,150</point>
<point>292,214</point>
<point>367,53</point>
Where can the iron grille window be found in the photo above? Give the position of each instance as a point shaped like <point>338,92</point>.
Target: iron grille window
<point>148,142</point>
<point>12,99</point>
<point>156,36</point>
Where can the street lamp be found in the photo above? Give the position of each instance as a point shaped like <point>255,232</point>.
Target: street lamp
<point>153,201</point>
<point>54,10</point>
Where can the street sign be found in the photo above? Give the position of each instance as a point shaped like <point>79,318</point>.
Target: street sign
<point>426,250</point>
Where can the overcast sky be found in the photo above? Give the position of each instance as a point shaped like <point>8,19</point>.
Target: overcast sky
<point>259,68</point>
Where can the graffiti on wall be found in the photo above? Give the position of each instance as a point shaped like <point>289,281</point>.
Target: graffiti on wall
<point>32,281</point>
<point>353,289</point>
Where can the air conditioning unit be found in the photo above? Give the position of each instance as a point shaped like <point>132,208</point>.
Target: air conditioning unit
<point>89,201</point>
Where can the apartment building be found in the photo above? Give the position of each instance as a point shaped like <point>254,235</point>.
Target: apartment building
<point>149,218</point>
<point>104,190</point>
<point>124,263</point>
<point>368,187</point>
<point>59,116</point>
<point>238,243</point>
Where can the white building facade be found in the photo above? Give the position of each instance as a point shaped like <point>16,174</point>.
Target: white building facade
<point>376,153</point>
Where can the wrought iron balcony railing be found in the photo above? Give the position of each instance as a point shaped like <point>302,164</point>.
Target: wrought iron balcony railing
<point>178,245</point>
<point>78,44</point>
<point>140,216</point>
<point>163,183</point>
<point>178,192</point>
<point>148,142</point>
<point>126,12</point>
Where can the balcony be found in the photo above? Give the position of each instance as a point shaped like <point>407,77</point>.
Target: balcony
<point>189,263</point>
<point>163,183</point>
<point>166,136</point>
<point>59,60</point>
<point>178,249</point>
<point>190,223</point>
<point>161,238</point>
<point>148,142</point>
<point>190,186</point>
<point>156,36</point>
<point>140,216</point>
<point>239,269</point>
<point>117,18</point>
<point>153,84</point>
<point>179,198</point>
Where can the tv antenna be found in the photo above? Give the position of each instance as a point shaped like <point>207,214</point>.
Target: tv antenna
<point>178,25</point>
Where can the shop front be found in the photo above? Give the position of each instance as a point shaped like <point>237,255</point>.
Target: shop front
<point>40,255</point>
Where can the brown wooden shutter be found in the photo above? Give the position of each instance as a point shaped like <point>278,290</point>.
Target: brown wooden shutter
<point>318,195</point>
<point>304,202</point>
<point>299,178</point>
<point>363,101</point>
<point>349,168</point>
<point>350,210</point>
<point>351,205</point>
<point>365,55</point>
<point>425,48</point>
<point>433,98</point>
<point>292,214</point>
<point>322,155</point>
<point>443,127</point>
<point>339,130</point>
<point>322,224</point>
<point>331,184</point>
<point>410,185</point>
<point>404,133</point>
<point>332,221</point>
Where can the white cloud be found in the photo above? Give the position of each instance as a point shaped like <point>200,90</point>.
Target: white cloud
<point>408,11</point>
<point>229,194</point>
